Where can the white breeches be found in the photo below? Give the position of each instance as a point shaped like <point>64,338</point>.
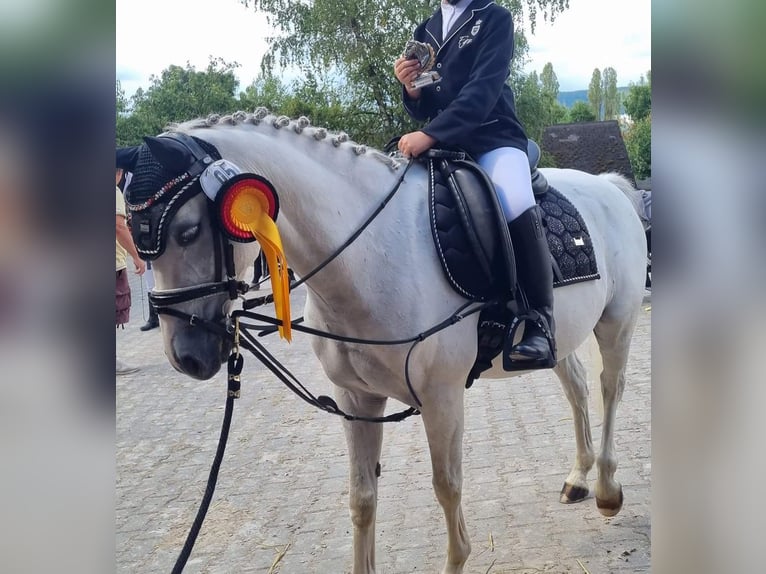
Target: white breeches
<point>508,168</point>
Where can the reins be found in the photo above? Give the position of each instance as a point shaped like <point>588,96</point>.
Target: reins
<point>239,334</point>
<point>358,232</point>
<point>326,403</point>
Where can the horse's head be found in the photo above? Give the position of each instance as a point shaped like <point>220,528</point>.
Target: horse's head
<point>173,224</point>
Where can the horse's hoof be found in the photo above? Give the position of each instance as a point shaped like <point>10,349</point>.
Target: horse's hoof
<point>608,507</point>
<point>571,493</point>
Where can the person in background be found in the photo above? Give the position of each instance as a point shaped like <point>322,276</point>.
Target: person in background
<point>472,107</point>
<point>125,247</point>
<point>154,320</point>
<point>646,196</point>
<point>124,157</point>
<point>261,271</point>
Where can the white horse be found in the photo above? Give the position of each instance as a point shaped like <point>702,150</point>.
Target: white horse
<point>388,284</point>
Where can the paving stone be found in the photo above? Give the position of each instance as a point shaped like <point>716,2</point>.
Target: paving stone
<point>284,475</point>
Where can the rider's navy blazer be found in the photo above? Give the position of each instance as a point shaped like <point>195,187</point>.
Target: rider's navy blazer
<point>472,107</point>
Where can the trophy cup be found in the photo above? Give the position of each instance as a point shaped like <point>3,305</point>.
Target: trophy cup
<point>424,54</point>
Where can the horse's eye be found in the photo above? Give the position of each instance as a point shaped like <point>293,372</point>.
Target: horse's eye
<point>188,235</point>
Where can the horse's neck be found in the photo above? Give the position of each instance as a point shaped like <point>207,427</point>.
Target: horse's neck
<point>325,193</point>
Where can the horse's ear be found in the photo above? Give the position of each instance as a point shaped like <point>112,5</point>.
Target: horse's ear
<point>171,153</point>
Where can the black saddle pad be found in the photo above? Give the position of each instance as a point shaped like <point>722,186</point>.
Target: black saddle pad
<point>473,243</point>
<point>571,248</point>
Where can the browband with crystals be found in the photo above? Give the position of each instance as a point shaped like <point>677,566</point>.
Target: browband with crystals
<point>163,190</point>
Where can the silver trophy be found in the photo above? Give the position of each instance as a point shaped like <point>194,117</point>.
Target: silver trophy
<point>424,54</point>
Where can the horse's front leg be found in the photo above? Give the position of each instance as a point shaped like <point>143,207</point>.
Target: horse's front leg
<point>364,442</point>
<point>443,421</point>
<point>573,377</point>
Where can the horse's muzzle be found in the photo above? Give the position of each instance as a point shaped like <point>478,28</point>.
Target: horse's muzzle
<point>198,353</point>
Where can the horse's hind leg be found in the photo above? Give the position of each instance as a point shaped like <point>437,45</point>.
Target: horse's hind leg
<point>444,429</point>
<point>613,335</point>
<point>364,441</point>
<point>573,377</point>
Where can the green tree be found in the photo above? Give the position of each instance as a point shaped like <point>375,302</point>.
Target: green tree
<point>530,104</point>
<point>610,94</point>
<point>581,112</point>
<point>178,94</point>
<point>638,101</point>
<point>549,83</point>
<point>122,101</point>
<point>559,114</point>
<point>638,136</point>
<point>356,42</point>
<point>596,93</point>
<point>638,141</point>
<point>549,90</point>
<point>307,97</point>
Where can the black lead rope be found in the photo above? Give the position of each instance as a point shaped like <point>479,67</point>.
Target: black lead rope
<point>323,402</point>
<point>236,361</point>
<point>235,368</point>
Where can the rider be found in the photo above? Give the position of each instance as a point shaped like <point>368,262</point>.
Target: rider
<point>472,107</point>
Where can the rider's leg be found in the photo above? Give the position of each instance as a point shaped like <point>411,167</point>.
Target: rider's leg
<point>508,168</point>
<point>153,321</point>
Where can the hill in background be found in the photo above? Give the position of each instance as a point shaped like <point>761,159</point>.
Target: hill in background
<point>566,99</point>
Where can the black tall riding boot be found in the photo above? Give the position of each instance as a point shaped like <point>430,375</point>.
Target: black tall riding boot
<point>535,277</point>
<point>153,321</point>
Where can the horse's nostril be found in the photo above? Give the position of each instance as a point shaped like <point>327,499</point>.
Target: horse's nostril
<point>196,353</point>
<point>192,366</point>
<point>198,367</point>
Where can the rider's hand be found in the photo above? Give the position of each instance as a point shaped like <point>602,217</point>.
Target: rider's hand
<point>415,143</point>
<point>406,70</point>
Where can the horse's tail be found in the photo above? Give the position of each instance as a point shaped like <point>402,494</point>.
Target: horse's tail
<point>623,184</point>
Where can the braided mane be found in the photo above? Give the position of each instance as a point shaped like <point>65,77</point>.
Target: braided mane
<point>301,126</point>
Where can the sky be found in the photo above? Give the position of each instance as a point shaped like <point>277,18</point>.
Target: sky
<point>590,34</point>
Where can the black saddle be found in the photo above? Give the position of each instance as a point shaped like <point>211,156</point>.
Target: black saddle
<point>468,225</point>
<point>473,242</point>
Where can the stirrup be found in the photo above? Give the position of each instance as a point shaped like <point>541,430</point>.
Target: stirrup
<point>547,362</point>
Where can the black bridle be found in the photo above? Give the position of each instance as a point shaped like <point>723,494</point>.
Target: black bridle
<point>238,333</point>
<point>166,300</point>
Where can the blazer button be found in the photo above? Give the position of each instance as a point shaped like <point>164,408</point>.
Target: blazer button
<point>438,88</point>
<point>439,65</point>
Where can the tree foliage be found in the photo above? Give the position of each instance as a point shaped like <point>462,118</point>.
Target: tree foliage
<point>581,112</point>
<point>307,97</point>
<point>536,101</point>
<point>610,94</point>
<point>638,101</point>
<point>177,94</point>
<point>530,105</point>
<point>638,137</point>
<point>549,91</point>
<point>549,83</point>
<point>341,53</point>
<point>638,141</point>
<point>596,93</point>
<point>355,42</point>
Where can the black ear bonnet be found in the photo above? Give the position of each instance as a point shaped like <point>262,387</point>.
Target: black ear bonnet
<point>157,190</point>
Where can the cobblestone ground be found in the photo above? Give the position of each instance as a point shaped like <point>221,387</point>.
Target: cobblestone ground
<point>281,500</point>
